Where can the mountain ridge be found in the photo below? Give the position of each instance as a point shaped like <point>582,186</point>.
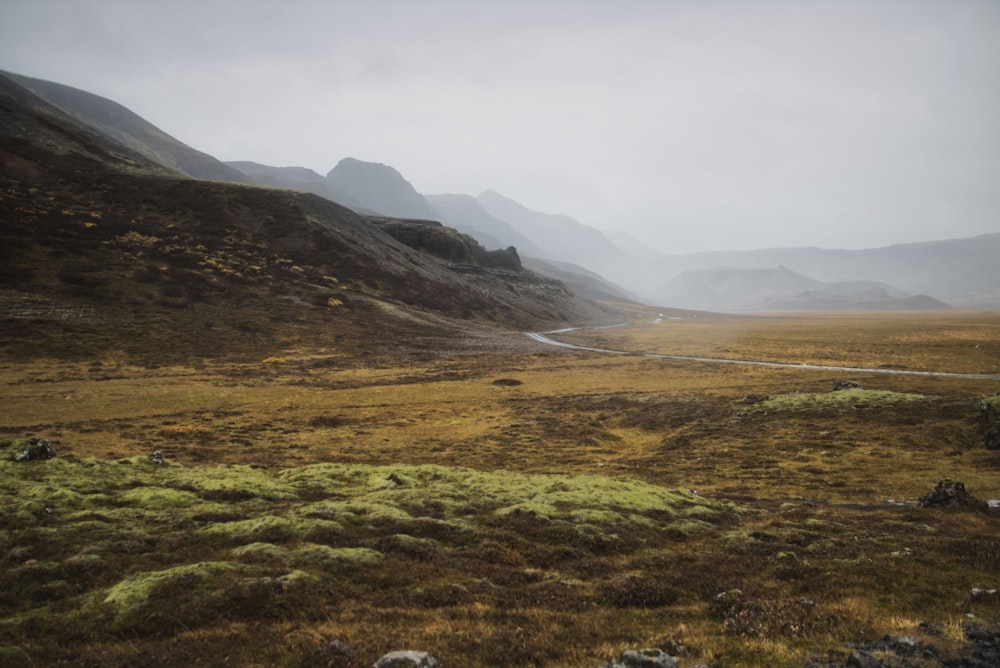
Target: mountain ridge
<point>961,272</point>
<point>782,289</point>
<point>129,129</point>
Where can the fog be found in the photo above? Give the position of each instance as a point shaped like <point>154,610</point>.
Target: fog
<point>689,125</point>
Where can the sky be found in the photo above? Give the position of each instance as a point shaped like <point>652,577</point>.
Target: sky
<point>688,125</point>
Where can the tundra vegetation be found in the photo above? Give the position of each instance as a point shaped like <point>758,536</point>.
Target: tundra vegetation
<point>536,507</point>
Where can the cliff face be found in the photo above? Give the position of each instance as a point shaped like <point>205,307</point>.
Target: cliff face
<point>447,244</point>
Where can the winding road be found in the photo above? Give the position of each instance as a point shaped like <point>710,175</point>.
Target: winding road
<point>544,337</point>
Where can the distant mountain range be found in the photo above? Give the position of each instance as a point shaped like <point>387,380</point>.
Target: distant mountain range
<point>953,272</point>
<point>781,289</point>
<point>960,272</point>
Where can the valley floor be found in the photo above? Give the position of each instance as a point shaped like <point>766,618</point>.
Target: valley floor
<point>509,503</point>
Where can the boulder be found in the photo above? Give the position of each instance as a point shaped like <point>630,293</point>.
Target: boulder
<point>862,659</point>
<point>844,384</point>
<point>407,659</point>
<point>947,494</point>
<point>36,448</point>
<point>643,658</point>
<point>991,439</point>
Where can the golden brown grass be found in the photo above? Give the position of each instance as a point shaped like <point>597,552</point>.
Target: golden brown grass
<point>962,342</point>
<point>795,480</point>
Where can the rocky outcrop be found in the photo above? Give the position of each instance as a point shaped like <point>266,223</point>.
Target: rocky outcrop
<point>981,650</point>
<point>643,658</point>
<point>407,659</point>
<point>446,243</point>
<point>950,494</point>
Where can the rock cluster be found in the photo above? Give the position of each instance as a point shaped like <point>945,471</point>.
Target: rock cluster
<point>982,651</point>
<point>36,448</point>
<point>843,384</point>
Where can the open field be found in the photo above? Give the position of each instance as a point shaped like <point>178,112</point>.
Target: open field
<point>538,507</point>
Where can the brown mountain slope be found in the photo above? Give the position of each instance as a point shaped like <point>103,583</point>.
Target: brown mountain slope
<point>102,251</point>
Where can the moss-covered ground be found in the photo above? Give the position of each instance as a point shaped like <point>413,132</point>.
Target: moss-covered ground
<point>531,509</point>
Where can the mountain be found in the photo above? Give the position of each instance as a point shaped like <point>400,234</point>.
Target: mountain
<point>961,272</point>
<point>562,238</point>
<point>115,121</point>
<point>294,178</point>
<point>378,188</point>
<point>103,250</point>
<point>958,272</point>
<point>781,289</point>
<point>581,281</point>
<point>36,130</point>
<point>464,212</point>
<point>559,237</point>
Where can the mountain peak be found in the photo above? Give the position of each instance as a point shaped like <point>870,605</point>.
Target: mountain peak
<point>364,165</point>
<point>378,187</point>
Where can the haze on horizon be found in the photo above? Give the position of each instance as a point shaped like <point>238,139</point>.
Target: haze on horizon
<point>690,125</point>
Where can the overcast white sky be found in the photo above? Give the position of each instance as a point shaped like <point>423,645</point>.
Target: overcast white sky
<point>693,125</point>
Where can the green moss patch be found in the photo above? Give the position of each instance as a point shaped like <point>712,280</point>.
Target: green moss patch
<point>159,498</point>
<point>323,555</point>
<point>154,549</point>
<point>852,397</point>
<point>400,492</point>
<point>134,591</point>
<point>269,528</point>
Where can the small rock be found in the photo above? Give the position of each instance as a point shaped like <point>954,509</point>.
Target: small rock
<point>977,594</point>
<point>407,659</point>
<point>860,659</point>
<point>991,439</point>
<point>156,458</point>
<point>334,652</point>
<point>844,384</point>
<point>644,658</point>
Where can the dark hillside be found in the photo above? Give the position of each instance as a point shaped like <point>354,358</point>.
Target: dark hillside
<point>36,127</point>
<point>102,251</point>
<point>127,128</point>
